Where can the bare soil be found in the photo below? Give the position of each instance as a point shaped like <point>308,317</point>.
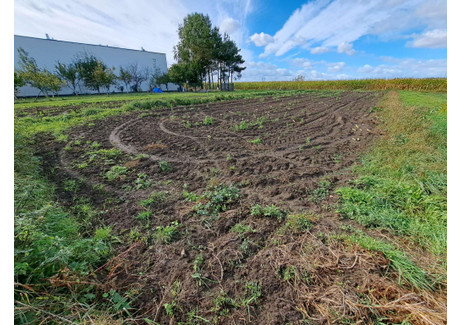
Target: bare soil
<point>292,152</point>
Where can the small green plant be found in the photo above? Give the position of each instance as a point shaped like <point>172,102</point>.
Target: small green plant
<point>217,200</point>
<point>255,141</point>
<point>116,172</point>
<point>223,304</point>
<point>307,141</point>
<point>165,166</point>
<point>298,222</point>
<point>119,303</point>
<point>287,273</point>
<point>337,158</point>
<point>189,196</point>
<point>321,192</point>
<point>241,229</point>
<point>142,181</point>
<point>242,126</point>
<point>198,272</point>
<point>173,307</point>
<point>144,216</point>
<point>95,145</point>
<point>71,186</point>
<point>135,235</point>
<point>167,234</point>
<point>270,211</point>
<point>82,165</point>
<point>252,294</point>
<point>154,198</point>
<point>208,120</point>
<point>187,124</point>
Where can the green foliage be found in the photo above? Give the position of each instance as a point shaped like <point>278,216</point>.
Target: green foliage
<point>223,304</point>
<point>165,166</point>
<point>241,229</point>
<point>47,238</point>
<point>125,76</point>
<point>35,77</point>
<point>198,272</point>
<point>142,181</point>
<point>202,50</point>
<point>191,197</point>
<point>144,216</point>
<point>167,234</point>
<point>402,187</point>
<point>268,211</point>
<point>320,192</point>
<point>208,120</point>
<point>18,82</point>
<point>116,172</point>
<point>94,73</point>
<point>68,73</point>
<point>298,222</point>
<point>253,293</point>
<point>155,198</point>
<point>218,199</point>
<point>256,141</point>
<point>242,126</point>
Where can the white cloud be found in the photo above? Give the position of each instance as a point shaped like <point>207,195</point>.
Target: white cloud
<point>406,68</point>
<point>229,25</point>
<point>319,50</point>
<point>303,63</point>
<point>346,48</point>
<point>334,23</point>
<point>121,24</point>
<point>261,39</point>
<point>431,39</point>
<point>261,71</point>
<point>336,67</point>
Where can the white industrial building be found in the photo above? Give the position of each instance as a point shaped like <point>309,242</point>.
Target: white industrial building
<point>47,52</point>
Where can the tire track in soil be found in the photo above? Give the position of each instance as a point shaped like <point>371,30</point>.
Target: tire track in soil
<point>276,169</point>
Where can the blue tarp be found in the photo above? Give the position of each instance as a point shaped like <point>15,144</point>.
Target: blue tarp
<point>157,90</point>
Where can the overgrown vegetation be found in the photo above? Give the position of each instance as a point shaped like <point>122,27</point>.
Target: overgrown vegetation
<point>432,84</point>
<point>402,183</point>
<point>50,242</point>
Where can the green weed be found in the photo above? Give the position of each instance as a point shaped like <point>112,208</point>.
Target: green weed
<point>116,172</point>
<point>167,234</point>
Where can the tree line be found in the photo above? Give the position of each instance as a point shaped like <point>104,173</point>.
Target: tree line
<point>85,69</point>
<point>204,56</point>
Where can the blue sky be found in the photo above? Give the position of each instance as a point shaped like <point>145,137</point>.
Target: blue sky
<point>319,39</point>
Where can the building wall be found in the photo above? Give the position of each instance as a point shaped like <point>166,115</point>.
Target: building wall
<point>47,52</point>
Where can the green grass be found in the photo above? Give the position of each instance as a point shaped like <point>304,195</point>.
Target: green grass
<point>31,125</point>
<point>408,272</point>
<point>402,182</point>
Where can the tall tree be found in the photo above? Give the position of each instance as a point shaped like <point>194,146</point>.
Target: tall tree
<point>68,73</point>
<point>202,52</point>
<point>195,46</point>
<point>94,73</point>
<point>125,76</point>
<point>138,76</point>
